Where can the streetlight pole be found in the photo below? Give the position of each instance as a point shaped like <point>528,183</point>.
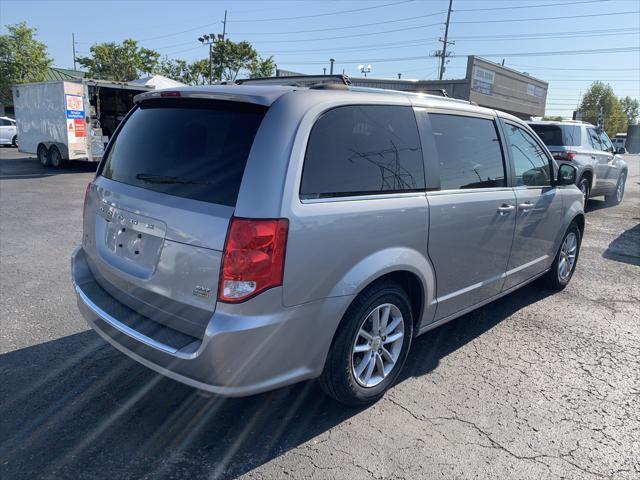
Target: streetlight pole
<point>364,69</point>
<point>209,39</point>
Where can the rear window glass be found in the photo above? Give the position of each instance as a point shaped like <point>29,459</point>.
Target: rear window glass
<point>558,135</point>
<point>187,149</point>
<point>363,149</point>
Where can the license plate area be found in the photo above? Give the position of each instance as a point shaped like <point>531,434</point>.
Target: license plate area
<point>130,242</point>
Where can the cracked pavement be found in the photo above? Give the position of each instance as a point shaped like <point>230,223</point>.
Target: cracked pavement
<point>535,385</point>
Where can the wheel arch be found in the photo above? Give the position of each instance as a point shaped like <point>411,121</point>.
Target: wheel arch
<point>579,219</point>
<point>407,267</point>
<point>586,173</point>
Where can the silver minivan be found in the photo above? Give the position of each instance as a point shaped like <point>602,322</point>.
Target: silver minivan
<point>242,238</point>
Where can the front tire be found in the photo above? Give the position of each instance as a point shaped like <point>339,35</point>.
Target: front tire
<point>14,141</point>
<point>566,259</point>
<point>370,346</point>
<point>616,197</point>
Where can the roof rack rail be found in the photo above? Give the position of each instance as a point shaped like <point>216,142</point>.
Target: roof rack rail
<point>298,80</point>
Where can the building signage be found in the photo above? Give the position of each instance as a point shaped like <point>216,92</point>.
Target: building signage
<point>75,106</point>
<point>483,80</point>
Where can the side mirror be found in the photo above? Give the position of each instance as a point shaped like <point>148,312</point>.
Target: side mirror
<point>567,174</point>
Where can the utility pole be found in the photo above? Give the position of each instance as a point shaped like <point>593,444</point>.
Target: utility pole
<point>224,33</point>
<point>73,41</point>
<point>211,39</point>
<point>331,67</point>
<point>445,42</point>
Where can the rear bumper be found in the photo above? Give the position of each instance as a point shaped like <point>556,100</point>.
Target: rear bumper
<point>246,349</point>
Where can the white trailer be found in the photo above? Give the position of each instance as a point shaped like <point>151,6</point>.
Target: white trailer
<point>70,120</point>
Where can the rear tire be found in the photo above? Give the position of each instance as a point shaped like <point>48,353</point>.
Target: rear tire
<point>618,194</point>
<point>43,156</point>
<point>14,141</point>
<point>55,158</point>
<point>355,348</point>
<point>585,187</point>
<point>566,260</point>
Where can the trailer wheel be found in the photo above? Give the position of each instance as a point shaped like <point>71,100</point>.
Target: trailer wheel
<point>43,155</point>
<point>55,157</point>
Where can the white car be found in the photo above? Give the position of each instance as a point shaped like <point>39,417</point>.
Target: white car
<point>8,132</point>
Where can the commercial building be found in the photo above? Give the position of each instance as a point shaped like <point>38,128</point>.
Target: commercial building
<point>486,83</point>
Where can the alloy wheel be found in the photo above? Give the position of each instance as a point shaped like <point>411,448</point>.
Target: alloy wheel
<point>567,256</point>
<point>620,188</point>
<point>377,345</point>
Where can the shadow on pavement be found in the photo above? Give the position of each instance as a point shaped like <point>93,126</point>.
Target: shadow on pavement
<point>594,205</point>
<point>30,167</point>
<point>626,247</point>
<point>76,408</point>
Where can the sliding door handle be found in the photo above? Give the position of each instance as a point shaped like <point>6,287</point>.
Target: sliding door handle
<point>505,208</point>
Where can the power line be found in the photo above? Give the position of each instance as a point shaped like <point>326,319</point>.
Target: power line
<point>578,69</point>
<point>368,34</point>
<point>549,18</point>
<point>514,7</point>
<point>559,35</point>
<point>432,40</point>
<point>521,54</point>
<point>427,41</point>
<point>322,14</point>
<point>342,28</point>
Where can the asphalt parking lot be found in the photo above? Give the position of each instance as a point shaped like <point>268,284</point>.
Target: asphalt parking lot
<point>531,386</point>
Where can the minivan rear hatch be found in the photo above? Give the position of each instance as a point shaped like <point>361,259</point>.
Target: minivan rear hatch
<point>156,219</point>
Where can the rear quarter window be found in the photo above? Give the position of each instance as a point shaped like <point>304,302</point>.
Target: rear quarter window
<point>363,149</point>
<point>558,135</point>
<point>188,148</point>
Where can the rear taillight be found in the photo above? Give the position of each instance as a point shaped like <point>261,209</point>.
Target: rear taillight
<point>86,198</point>
<point>253,258</point>
<point>566,155</point>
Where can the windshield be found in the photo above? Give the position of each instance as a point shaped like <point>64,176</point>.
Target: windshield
<point>188,149</point>
<point>557,135</point>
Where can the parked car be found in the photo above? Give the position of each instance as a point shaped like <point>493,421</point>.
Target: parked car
<point>601,170</point>
<point>242,238</point>
<point>8,132</point>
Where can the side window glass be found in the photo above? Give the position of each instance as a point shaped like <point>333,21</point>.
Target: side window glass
<point>531,165</point>
<point>469,152</point>
<point>607,146</point>
<point>4,123</point>
<point>594,139</point>
<point>363,149</point>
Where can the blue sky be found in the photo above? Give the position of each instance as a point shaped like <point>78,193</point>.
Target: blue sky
<point>303,35</point>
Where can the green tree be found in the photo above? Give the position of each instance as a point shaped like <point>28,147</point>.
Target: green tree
<point>22,58</point>
<point>631,108</point>
<point>194,73</point>
<point>119,62</point>
<point>599,96</point>
<point>553,118</point>
<point>230,59</point>
<point>199,72</point>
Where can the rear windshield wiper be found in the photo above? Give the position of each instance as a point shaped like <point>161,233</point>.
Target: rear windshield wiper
<point>151,178</point>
